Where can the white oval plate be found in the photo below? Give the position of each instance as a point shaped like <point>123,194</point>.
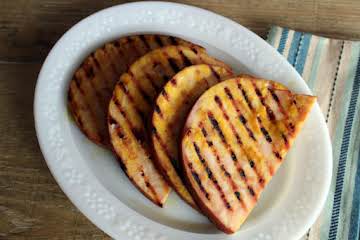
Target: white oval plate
<point>91,177</point>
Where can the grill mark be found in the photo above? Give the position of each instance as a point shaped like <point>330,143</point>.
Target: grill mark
<point>118,131</point>
<point>172,40</point>
<point>219,103</point>
<point>113,69</point>
<point>88,69</point>
<point>124,49</point>
<point>174,67</point>
<point>150,187</point>
<point>97,64</point>
<point>277,155</point>
<point>88,106</point>
<point>261,180</point>
<point>132,45</point>
<point>292,127</point>
<point>131,99</point>
<point>127,61</point>
<point>277,100</point>
<point>185,59</point>
<point>288,126</point>
<point>269,112</point>
<point>209,172</point>
<point>242,174</point>
<point>251,134</point>
<point>146,44</point>
<point>241,116</point>
<point>116,43</point>
<point>115,79</point>
<point>252,193</point>
<point>216,75</point>
<point>274,96</point>
<point>112,121</point>
<point>281,108</point>
<point>257,91</point>
<point>195,50</point>
<point>244,94</point>
<point>164,94</point>
<point>164,147</point>
<point>266,134</point>
<point>139,135</point>
<point>158,110</point>
<point>93,87</point>
<point>119,52</point>
<point>226,172</point>
<point>237,194</point>
<point>218,161</point>
<point>211,177</point>
<point>238,139</point>
<point>215,125</point>
<point>285,140</point>
<point>198,181</point>
<point>78,85</point>
<point>252,164</point>
<point>122,112</point>
<point>295,103</point>
<point>197,150</point>
<point>228,147</point>
<point>173,81</point>
<point>187,131</point>
<point>74,108</point>
<point>228,93</point>
<point>264,131</point>
<point>118,60</point>
<point>233,156</point>
<point>204,132</point>
<point>143,93</point>
<point>243,120</point>
<point>152,82</point>
<point>162,73</point>
<point>158,40</point>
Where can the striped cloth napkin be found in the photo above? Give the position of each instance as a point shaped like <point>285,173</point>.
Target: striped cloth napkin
<point>331,68</point>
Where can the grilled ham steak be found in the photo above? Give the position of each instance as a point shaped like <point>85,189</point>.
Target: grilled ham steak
<point>171,108</point>
<point>234,140</point>
<point>91,87</point>
<point>130,111</point>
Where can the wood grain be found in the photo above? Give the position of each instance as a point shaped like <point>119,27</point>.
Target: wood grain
<point>32,206</point>
<point>28,28</point>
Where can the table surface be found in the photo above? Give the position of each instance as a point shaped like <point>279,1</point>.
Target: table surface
<point>32,206</point>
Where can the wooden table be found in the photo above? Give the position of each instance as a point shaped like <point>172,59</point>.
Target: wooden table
<point>32,206</point>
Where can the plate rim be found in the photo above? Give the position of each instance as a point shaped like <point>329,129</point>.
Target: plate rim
<point>142,23</point>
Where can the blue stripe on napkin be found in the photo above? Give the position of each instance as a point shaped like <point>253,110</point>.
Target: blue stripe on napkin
<point>332,70</point>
